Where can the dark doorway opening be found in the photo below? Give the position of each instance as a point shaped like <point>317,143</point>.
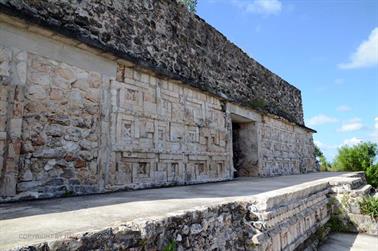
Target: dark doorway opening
<point>236,148</point>
<point>244,147</point>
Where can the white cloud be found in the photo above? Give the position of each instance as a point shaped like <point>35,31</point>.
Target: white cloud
<point>263,7</point>
<point>351,142</point>
<point>366,54</point>
<point>324,146</point>
<point>320,119</point>
<point>351,126</point>
<point>328,150</point>
<point>376,123</point>
<point>343,108</point>
<point>318,143</point>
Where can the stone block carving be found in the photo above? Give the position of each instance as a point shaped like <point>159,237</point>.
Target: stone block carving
<point>209,62</point>
<point>159,117</point>
<point>285,149</point>
<point>68,129</point>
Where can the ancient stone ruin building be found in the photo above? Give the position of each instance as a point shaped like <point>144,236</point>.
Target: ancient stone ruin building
<point>97,96</point>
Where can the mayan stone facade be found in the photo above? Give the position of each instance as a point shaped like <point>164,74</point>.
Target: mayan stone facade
<point>76,119</point>
<point>164,36</point>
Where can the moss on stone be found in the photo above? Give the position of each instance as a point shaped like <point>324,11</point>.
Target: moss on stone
<point>257,104</point>
<point>142,243</point>
<point>68,194</point>
<point>322,233</point>
<point>336,224</point>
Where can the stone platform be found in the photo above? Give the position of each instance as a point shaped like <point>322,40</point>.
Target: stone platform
<point>72,220</point>
<point>350,242</point>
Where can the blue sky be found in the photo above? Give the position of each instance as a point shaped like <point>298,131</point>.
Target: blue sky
<point>326,48</point>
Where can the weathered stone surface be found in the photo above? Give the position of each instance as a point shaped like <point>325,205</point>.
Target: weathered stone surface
<point>285,149</point>
<point>164,36</point>
<point>71,130</point>
<point>11,113</point>
<point>345,206</point>
<point>291,218</point>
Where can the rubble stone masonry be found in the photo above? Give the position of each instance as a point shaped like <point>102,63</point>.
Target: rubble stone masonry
<point>164,36</point>
<point>77,120</point>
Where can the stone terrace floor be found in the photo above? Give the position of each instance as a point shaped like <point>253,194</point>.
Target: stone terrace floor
<point>350,242</point>
<point>31,222</point>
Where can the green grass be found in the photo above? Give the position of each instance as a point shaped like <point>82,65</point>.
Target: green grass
<point>171,246</point>
<point>335,225</point>
<point>369,206</point>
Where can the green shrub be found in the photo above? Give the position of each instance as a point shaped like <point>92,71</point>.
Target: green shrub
<point>324,164</point>
<point>372,175</point>
<point>355,158</point>
<point>336,225</point>
<point>171,246</point>
<point>358,158</point>
<point>369,206</point>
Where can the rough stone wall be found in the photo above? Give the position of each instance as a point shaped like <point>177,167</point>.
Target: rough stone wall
<point>78,122</point>
<point>84,132</point>
<point>12,81</point>
<point>164,36</point>
<point>269,146</point>
<point>345,207</point>
<point>285,149</point>
<point>61,128</point>
<point>56,113</point>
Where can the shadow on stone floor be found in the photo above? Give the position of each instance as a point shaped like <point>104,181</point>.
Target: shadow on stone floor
<point>192,195</point>
<point>350,242</point>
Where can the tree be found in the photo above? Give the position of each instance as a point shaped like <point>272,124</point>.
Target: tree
<point>318,152</point>
<point>191,4</point>
<point>355,158</point>
<point>324,164</point>
<point>372,175</point>
<point>359,158</point>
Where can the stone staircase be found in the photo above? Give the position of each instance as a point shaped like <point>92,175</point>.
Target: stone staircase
<point>294,218</point>
<point>346,194</point>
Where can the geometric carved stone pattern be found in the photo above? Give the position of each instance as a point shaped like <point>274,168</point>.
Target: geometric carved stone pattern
<point>69,129</point>
<point>155,118</point>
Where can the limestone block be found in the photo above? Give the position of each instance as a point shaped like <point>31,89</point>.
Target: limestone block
<point>165,109</point>
<point>5,61</point>
<point>8,184</point>
<point>196,229</point>
<point>21,70</point>
<point>56,94</point>
<point>36,92</point>
<point>177,132</point>
<point>65,72</point>
<point>39,78</point>
<point>15,128</point>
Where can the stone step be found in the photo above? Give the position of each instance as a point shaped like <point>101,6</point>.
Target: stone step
<point>279,199</point>
<point>346,184</point>
<point>363,190</point>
